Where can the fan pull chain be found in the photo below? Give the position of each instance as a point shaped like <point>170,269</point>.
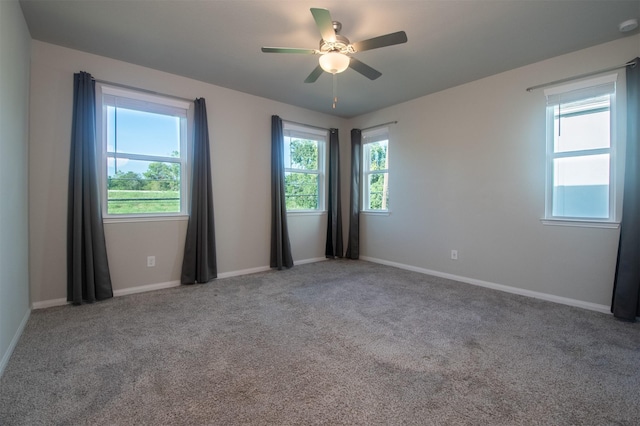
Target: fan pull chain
<point>335,90</point>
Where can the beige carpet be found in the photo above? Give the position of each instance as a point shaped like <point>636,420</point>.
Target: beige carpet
<point>336,342</point>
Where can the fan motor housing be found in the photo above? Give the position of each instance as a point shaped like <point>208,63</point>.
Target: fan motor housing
<point>341,45</point>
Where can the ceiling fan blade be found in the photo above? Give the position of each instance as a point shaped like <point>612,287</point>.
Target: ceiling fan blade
<point>381,41</point>
<point>288,50</point>
<point>314,75</point>
<point>364,69</point>
<point>324,23</point>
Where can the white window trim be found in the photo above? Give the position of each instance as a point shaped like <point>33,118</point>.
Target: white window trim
<point>581,223</point>
<point>322,137</point>
<point>157,218</point>
<point>376,212</point>
<point>613,220</point>
<point>377,134</point>
<point>306,212</point>
<point>158,104</point>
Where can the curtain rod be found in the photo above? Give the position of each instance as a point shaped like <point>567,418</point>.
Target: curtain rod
<point>588,74</point>
<point>306,125</point>
<point>151,92</point>
<point>380,125</point>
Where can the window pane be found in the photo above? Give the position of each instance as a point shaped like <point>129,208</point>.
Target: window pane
<point>376,153</point>
<point>142,186</point>
<point>581,186</point>
<point>301,191</point>
<point>300,154</point>
<point>378,191</point>
<point>138,132</point>
<point>582,125</point>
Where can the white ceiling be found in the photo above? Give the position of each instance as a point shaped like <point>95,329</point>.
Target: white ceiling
<point>218,41</point>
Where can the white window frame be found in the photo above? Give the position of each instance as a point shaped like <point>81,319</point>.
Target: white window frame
<point>321,136</point>
<point>574,92</point>
<point>369,136</point>
<point>109,96</point>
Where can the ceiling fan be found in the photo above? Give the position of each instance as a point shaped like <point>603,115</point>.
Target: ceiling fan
<point>335,50</point>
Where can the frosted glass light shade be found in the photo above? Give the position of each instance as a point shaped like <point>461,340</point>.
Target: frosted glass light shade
<point>334,62</point>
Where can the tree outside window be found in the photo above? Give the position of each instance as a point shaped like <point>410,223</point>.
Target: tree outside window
<point>304,176</point>
<point>376,170</point>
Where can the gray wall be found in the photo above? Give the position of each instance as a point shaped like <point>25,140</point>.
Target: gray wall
<point>14,108</point>
<point>468,173</point>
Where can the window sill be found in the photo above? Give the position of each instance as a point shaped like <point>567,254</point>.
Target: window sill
<point>306,213</point>
<point>376,212</point>
<point>581,223</point>
<point>129,219</point>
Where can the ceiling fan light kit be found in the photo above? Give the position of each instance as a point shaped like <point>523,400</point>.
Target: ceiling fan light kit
<point>334,62</point>
<point>335,49</point>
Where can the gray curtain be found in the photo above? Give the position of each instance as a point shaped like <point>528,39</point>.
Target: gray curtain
<point>626,290</point>
<point>353,247</point>
<point>199,261</point>
<point>88,277</point>
<point>280,246</point>
<point>334,247</point>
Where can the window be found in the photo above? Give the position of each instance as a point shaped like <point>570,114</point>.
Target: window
<point>375,170</point>
<point>144,147</point>
<point>581,150</point>
<point>304,176</point>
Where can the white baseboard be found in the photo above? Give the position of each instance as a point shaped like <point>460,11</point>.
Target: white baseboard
<point>243,272</point>
<point>14,342</point>
<point>169,284</point>
<point>145,288</point>
<point>312,260</point>
<point>266,268</point>
<point>529,293</point>
<point>49,303</point>
<point>116,293</point>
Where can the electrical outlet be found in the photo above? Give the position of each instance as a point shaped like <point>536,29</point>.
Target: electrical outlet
<point>454,254</point>
<point>151,261</point>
